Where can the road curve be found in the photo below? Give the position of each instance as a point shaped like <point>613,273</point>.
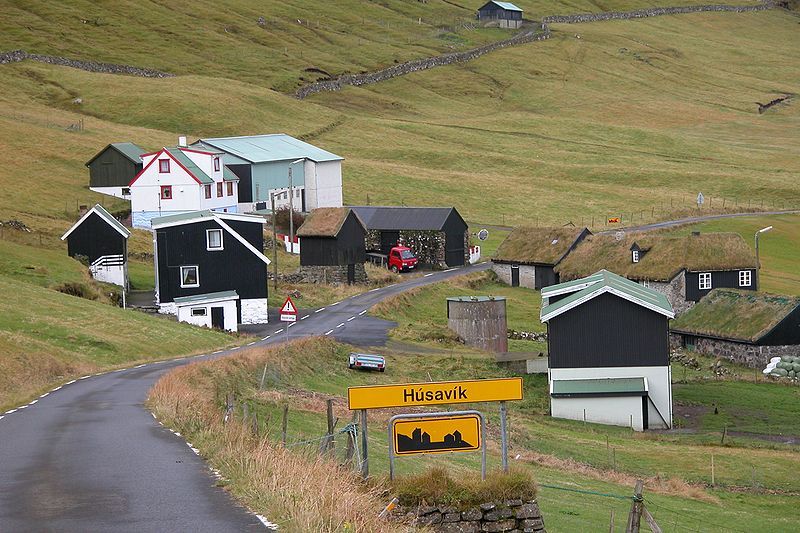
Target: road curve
<point>88,456</point>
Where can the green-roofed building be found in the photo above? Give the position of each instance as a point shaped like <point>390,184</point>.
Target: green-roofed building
<point>112,169</point>
<point>608,346</point>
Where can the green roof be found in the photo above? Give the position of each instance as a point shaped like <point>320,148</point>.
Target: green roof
<point>129,150</point>
<point>266,148</point>
<point>187,162</point>
<point>608,282</point>
<point>325,222</point>
<point>547,246</point>
<point>636,386</point>
<point>508,6</point>
<point>197,298</point>
<point>476,299</point>
<point>735,314</point>
<point>228,175</point>
<point>206,213</point>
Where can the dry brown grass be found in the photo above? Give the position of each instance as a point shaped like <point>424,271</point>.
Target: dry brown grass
<point>323,222</point>
<point>299,491</point>
<point>537,245</point>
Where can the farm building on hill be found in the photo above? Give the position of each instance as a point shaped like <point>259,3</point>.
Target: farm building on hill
<point>333,246</point>
<point>212,265</point>
<point>262,163</point>
<point>438,235</point>
<point>744,326</point>
<point>683,268</point>
<point>608,345</point>
<point>113,168</point>
<point>528,256</point>
<point>181,180</point>
<point>505,13</point>
<point>103,241</point>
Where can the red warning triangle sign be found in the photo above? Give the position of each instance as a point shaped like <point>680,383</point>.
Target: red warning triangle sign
<point>288,307</point>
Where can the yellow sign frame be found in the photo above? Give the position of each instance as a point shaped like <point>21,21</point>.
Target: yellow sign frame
<point>431,424</point>
<point>434,393</point>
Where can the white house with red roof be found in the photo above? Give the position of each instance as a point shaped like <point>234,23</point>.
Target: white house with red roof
<point>180,179</point>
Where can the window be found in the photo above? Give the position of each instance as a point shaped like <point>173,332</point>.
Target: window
<point>705,281</point>
<point>216,164</point>
<point>219,190</point>
<point>199,311</point>
<point>745,279</point>
<point>189,277</point>
<point>166,192</point>
<point>230,188</point>
<point>207,189</point>
<point>636,256</point>
<point>213,239</point>
<point>163,166</point>
<point>126,191</point>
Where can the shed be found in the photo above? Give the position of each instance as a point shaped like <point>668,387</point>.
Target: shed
<point>113,168</point>
<point>438,235</point>
<point>212,310</point>
<point>505,13</point>
<point>480,321</point>
<point>744,326</point>
<point>103,241</point>
<point>332,248</point>
<point>528,255</point>
<point>608,327</point>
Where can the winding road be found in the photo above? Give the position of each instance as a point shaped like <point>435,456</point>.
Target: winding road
<point>87,456</point>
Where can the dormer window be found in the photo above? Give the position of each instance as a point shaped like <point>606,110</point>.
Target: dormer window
<point>163,166</point>
<point>635,256</point>
<point>216,164</point>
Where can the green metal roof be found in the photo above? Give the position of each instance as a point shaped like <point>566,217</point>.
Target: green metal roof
<point>636,386</point>
<point>197,298</point>
<point>571,286</point>
<point>508,6</point>
<point>476,299</point>
<point>228,175</point>
<point>602,282</point>
<point>186,161</point>
<point>129,150</point>
<point>266,148</point>
<point>206,213</point>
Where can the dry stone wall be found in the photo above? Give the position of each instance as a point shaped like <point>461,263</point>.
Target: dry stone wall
<point>334,274</point>
<point>91,66</point>
<point>652,12</point>
<point>514,516</point>
<point>744,354</point>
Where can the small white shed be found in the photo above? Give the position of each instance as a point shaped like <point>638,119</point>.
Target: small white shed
<point>213,310</point>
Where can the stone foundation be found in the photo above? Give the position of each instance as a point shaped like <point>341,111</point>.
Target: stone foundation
<point>255,311</point>
<point>513,515</point>
<point>744,354</point>
<point>334,274</point>
<point>527,274</point>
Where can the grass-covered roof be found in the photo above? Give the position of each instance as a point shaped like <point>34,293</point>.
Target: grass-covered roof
<point>324,222</point>
<point>736,314</point>
<point>662,257</point>
<point>537,245</point>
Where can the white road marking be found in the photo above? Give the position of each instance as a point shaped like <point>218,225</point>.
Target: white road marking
<point>290,325</point>
<point>362,312</point>
<point>45,394</point>
<point>21,407</point>
<point>120,370</point>
<point>84,377</point>
<point>57,388</point>
<point>321,309</point>
<point>351,318</point>
<point>431,274</point>
<point>2,417</point>
<point>392,285</point>
<point>251,343</point>
<point>329,332</point>
<point>70,382</point>
<point>265,338</point>
<point>137,366</point>
<point>153,415</point>
<point>376,289</point>
<point>278,331</point>
<point>303,318</point>
<point>33,402</point>
<point>337,303</point>
<point>218,351</point>
<point>266,522</point>
<point>10,411</point>
<point>449,270</point>
<point>340,325</point>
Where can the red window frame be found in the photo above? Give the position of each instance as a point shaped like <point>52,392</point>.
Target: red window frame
<point>216,164</point>
<point>166,192</point>
<point>207,189</point>
<point>219,189</point>
<point>230,188</point>
<point>163,166</point>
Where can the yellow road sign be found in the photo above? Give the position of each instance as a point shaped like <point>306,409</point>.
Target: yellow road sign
<point>436,393</point>
<point>461,433</point>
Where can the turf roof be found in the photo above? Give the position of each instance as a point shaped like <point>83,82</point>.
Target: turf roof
<point>537,245</point>
<point>736,314</point>
<point>662,258</point>
<point>324,222</point>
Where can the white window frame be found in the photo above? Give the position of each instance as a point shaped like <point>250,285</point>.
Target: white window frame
<point>745,278</point>
<point>704,281</point>
<point>635,256</point>
<point>208,240</point>
<point>199,311</point>
<point>197,275</point>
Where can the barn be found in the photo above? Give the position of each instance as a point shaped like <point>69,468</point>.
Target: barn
<point>103,241</point>
<point>203,257</point>
<point>746,327</point>
<point>528,255</point>
<point>113,168</point>
<point>608,350</point>
<point>332,248</point>
<point>506,14</point>
<point>438,235</point>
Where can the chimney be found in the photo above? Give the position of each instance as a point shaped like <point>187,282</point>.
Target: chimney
<point>182,140</point>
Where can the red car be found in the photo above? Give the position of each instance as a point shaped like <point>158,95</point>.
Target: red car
<point>401,259</point>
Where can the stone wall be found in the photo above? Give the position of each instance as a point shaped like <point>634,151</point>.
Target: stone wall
<point>91,66</point>
<point>330,274</point>
<point>652,12</point>
<point>513,515</point>
<point>744,354</point>
<point>527,274</point>
<point>675,291</point>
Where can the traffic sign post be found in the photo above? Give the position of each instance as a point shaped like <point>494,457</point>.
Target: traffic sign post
<point>288,311</point>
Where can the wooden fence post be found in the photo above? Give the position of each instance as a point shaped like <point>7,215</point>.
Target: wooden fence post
<point>284,423</point>
<point>635,516</point>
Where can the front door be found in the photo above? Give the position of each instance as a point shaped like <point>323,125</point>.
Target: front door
<point>351,274</point>
<point>218,317</point>
<point>515,275</point>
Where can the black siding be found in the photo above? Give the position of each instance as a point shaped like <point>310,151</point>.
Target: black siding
<point>454,229</point>
<point>245,174</point>
<point>112,169</point>
<point>95,238</point>
<point>346,248</point>
<point>786,332</point>
<point>233,268</point>
<point>608,331</point>
<point>544,276</point>
<point>728,279</point>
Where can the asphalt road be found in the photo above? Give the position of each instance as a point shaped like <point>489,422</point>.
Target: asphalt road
<point>88,456</point>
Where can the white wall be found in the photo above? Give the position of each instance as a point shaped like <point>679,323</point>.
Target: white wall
<point>527,274</point>
<point>254,311</point>
<point>112,191</point>
<point>110,274</point>
<point>229,307</point>
<point>323,184</point>
<point>611,410</point>
<point>658,381</point>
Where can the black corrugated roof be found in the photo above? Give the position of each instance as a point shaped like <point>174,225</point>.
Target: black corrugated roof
<point>405,218</point>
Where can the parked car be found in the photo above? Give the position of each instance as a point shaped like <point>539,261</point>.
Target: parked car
<point>367,361</point>
<point>401,259</point>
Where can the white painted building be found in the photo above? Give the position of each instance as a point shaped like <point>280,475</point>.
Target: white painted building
<point>217,310</point>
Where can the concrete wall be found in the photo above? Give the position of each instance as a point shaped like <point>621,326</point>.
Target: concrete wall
<point>185,314</point>
<point>744,354</point>
<point>611,410</point>
<point>479,323</point>
<point>527,274</point>
<point>254,311</point>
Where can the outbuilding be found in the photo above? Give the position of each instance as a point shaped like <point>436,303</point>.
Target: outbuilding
<point>214,310</point>
<point>332,249</point>
<point>506,14</point>
<point>102,241</point>
<point>746,327</point>
<point>113,168</point>
<point>528,255</point>
<point>439,236</point>
<point>608,351</point>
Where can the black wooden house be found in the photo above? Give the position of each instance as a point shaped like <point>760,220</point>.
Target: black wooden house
<point>507,14</point>
<point>332,247</point>
<point>101,241</point>
<point>438,235</point>
<point>113,168</point>
<point>205,253</point>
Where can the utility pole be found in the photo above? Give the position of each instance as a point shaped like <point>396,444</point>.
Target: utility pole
<point>291,206</point>
<point>758,262</point>
<point>274,244</point>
